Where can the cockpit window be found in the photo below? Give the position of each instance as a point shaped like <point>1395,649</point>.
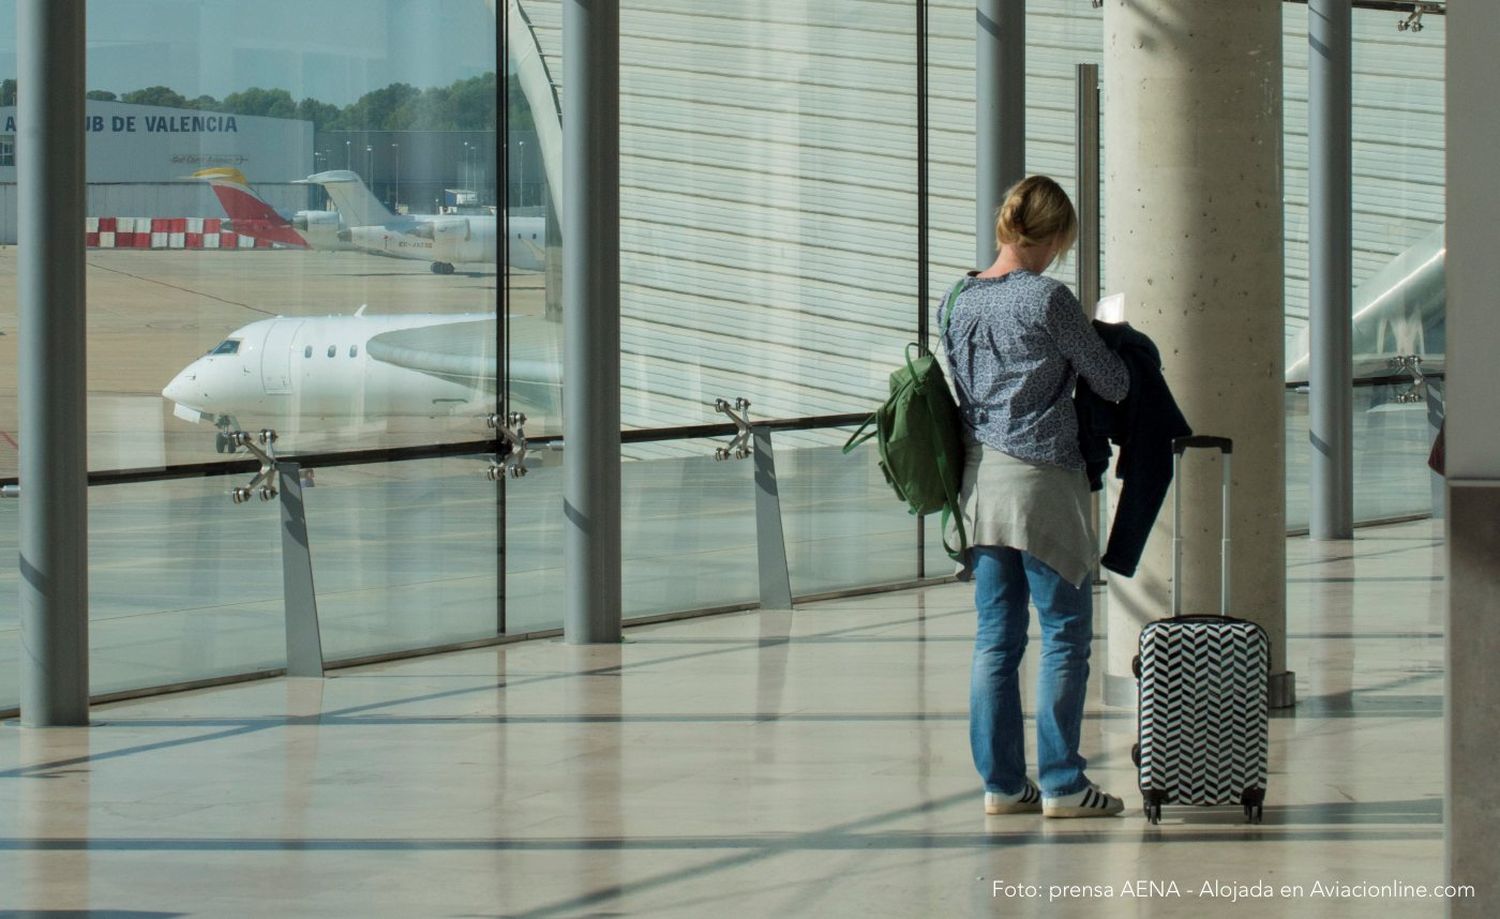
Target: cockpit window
<point>228,346</point>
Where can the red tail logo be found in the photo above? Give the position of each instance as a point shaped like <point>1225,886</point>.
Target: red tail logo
<point>250,216</point>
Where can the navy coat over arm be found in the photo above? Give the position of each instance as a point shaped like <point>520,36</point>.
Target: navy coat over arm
<point>1143,426</point>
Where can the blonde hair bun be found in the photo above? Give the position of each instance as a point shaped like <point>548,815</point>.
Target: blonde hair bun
<point>1036,211</point>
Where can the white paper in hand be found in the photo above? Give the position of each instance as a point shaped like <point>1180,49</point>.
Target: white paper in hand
<point>1110,308</point>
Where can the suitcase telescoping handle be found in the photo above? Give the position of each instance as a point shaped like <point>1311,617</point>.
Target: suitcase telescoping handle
<point>1181,445</point>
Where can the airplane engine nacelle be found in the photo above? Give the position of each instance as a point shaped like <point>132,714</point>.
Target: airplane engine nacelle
<point>450,231</point>
<point>321,228</point>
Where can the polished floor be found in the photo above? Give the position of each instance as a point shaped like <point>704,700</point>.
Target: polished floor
<point>812,763</point>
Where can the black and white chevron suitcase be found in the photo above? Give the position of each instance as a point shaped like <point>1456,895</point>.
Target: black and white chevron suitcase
<point>1203,683</point>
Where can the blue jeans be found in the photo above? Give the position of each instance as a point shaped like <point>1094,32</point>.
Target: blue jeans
<point>1004,581</point>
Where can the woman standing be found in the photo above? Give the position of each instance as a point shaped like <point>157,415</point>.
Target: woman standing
<point>1016,343</point>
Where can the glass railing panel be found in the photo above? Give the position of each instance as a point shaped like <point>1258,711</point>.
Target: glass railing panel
<point>404,554</point>
<point>533,560</point>
<point>1392,439</point>
<point>845,528</point>
<point>688,528</point>
<point>184,584</point>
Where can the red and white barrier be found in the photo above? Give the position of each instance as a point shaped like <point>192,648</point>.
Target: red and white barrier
<point>165,233</point>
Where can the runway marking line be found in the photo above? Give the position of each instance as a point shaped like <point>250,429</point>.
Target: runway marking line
<point>186,290</point>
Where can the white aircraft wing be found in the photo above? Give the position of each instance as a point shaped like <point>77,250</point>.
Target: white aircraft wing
<point>464,353</point>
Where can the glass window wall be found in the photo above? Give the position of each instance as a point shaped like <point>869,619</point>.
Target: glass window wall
<point>275,205</point>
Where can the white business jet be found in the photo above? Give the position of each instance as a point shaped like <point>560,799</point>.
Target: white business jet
<point>353,369</point>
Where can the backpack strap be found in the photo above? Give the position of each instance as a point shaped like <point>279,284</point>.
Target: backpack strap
<point>945,315</point>
<point>951,509</point>
<point>859,436</point>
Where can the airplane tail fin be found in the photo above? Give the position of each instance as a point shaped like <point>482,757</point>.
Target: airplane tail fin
<point>249,214</point>
<point>357,203</point>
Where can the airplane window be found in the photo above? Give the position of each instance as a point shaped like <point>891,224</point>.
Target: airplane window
<point>332,349</point>
<point>228,346</point>
<point>307,352</point>
<point>354,350</point>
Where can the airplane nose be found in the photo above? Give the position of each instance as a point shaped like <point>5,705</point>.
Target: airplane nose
<point>181,387</point>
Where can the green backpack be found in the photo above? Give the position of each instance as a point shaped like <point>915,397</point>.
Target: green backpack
<point>920,437</point>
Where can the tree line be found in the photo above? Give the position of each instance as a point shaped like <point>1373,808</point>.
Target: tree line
<point>464,105</point>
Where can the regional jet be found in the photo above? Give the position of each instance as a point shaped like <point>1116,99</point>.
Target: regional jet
<point>251,215</point>
<point>439,239</point>
<point>362,223</point>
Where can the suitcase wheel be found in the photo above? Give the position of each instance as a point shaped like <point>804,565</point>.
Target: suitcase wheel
<point>1254,801</point>
<point>1135,754</point>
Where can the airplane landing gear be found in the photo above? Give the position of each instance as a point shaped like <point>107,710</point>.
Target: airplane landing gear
<point>442,267</point>
<point>223,442</point>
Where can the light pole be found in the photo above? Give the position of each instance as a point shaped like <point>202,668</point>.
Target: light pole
<point>348,155</point>
<point>521,168</point>
<point>397,201</point>
<point>369,164</point>
<point>465,179</point>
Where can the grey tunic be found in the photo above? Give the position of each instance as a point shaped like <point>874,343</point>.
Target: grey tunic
<point>1035,507</point>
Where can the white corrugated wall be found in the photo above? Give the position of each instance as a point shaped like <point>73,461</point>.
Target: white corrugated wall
<point>768,176</point>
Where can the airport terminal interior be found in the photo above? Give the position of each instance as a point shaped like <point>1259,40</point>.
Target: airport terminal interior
<point>428,438</point>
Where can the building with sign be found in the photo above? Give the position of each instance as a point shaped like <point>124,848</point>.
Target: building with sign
<point>137,157</point>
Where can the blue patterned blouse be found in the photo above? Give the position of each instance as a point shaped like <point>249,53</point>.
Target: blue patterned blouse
<point>1016,345</point>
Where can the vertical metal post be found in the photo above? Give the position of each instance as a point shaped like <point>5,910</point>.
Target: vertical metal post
<point>1087,157</point>
<point>923,229</point>
<point>1000,113</point>
<point>591,330</point>
<point>1330,272</point>
<point>304,641</point>
<point>770,540</point>
<point>502,321</point>
<point>50,380</point>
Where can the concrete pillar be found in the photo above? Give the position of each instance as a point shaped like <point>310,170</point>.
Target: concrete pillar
<point>1473,456</point>
<point>52,399</point>
<point>1194,239</point>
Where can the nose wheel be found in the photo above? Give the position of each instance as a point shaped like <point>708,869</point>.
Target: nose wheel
<point>224,440</point>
